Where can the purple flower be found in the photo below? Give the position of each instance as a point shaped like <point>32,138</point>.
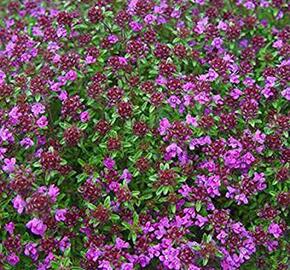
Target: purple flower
<point>150,19</point>
<point>61,32</point>
<point>60,214</point>
<point>217,42</point>
<point>53,192</point>
<point>222,26</point>
<point>90,59</point>
<point>136,27</point>
<point>202,98</point>
<point>188,86</point>
<point>275,230</point>
<point>200,220</point>
<point>272,245</point>
<point>286,93</point>
<point>85,116</point>
<point>248,158</point>
<point>36,226</point>
<point>26,143</point>
<point>160,80</point>
<point>37,108</point>
<point>109,163</point>
<point>9,165</point>
<point>120,244</point>
<point>93,254</point>
<point>6,135</point>
<point>31,251</point>
<point>127,266</point>
<point>19,204</point>
<point>64,243</point>
<point>191,120</point>
<point>71,75</point>
<point>12,259</point>
<point>113,39</point>
<point>236,93</point>
<point>42,122</point>
<point>105,265</point>
<point>2,77</point>
<point>249,5</point>
<point>126,175</point>
<point>10,227</point>
<point>164,124</point>
<point>174,101</point>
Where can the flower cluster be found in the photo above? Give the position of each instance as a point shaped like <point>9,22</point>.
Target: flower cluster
<point>144,134</point>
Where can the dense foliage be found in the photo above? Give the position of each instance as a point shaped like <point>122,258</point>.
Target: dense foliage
<point>144,134</point>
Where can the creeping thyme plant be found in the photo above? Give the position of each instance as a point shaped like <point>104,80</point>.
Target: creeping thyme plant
<point>144,134</point>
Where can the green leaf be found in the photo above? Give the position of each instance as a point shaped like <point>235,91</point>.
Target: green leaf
<point>198,206</point>
<point>107,202</point>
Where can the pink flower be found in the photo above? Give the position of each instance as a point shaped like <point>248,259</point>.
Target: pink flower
<point>150,19</point>
<point>286,93</point>
<point>19,204</point>
<point>85,116</point>
<point>109,163</point>
<point>120,244</point>
<point>278,44</point>
<point>113,39</point>
<point>164,124</point>
<point>31,251</point>
<point>60,214</point>
<point>275,230</point>
<point>127,266</point>
<point>10,227</point>
<point>26,143</point>
<point>71,75</point>
<point>53,192</point>
<point>90,59</point>
<point>37,108</point>
<point>12,259</point>
<point>191,120</point>
<point>6,135</point>
<point>174,101</point>
<point>136,27</point>
<point>9,165</point>
<point>36,226</point>
<point>42,122</point>
<point>126,175</point>
<point>64,243</point>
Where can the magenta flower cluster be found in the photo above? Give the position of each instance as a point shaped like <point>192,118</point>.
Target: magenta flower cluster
<point>144,134</point>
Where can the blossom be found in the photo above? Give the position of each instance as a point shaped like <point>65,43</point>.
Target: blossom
<point>174,101</point>
<point>164,124</point>
<point>64,243</point>
<point>113,39</point>
<point>13,259</point>
<point>36,226</point>
<point>53,192</point>
<point>109,163</point>
<point>10,227</point>
<point>42,122</point>
<point>286,93</point>
<point>37,109</point>
<point>71,75</point>
<point>85,116</point>
<point>19,204</point>
<point>26,142</point>
<point>9,165</point>
<point>31,250</point>
<point>60,214</point>
<point>126,175</point>
<point>275,230</point>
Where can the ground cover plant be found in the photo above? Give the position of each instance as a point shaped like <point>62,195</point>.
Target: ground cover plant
<point>144,134</point>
